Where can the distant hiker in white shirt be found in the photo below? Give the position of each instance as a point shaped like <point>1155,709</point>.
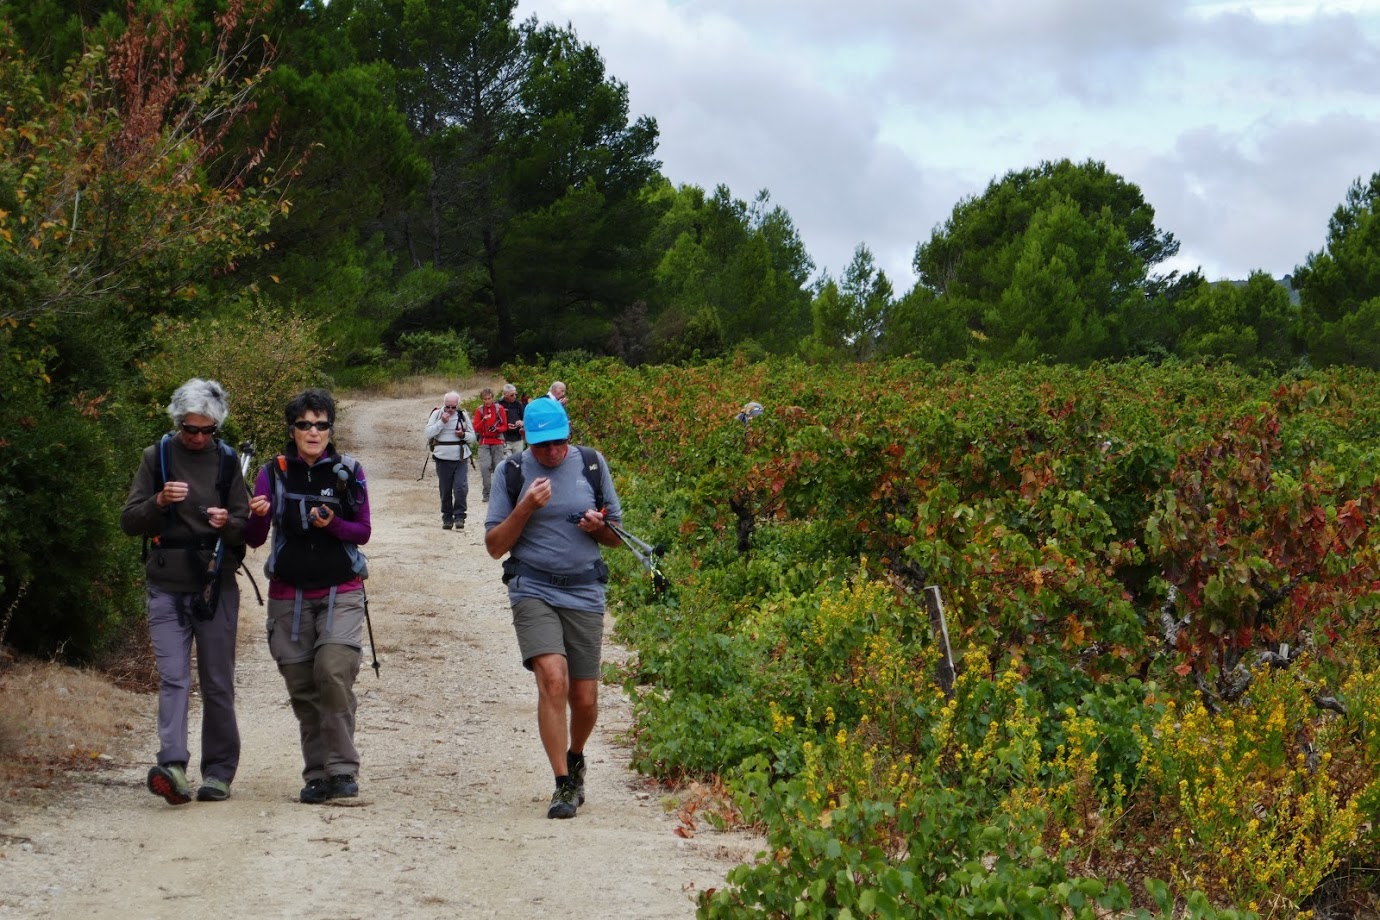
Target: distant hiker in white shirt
<point>449,435</point>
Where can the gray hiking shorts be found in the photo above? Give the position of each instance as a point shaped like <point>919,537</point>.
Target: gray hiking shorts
<point>546,630</point>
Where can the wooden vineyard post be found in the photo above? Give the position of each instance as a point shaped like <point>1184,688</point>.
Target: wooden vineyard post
<point>939,628</point>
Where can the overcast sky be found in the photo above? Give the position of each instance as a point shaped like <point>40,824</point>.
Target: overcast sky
<point>1243,122</point>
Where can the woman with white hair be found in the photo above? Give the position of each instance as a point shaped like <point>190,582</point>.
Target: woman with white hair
<point>189,501</point>
<point>449,437</point>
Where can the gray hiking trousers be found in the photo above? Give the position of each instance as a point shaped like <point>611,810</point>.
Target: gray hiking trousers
<point>319,668</point>
<point>172,630</point>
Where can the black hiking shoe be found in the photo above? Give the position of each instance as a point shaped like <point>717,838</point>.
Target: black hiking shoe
<point>446,525</point>
<point>575,766</point>
<point>315,792</point>
<point>460,524</point>
<point>170,781</point>
<point>343,787</point>
<point>563,801</point>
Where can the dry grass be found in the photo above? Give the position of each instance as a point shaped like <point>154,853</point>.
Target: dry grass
<point>55,719</point>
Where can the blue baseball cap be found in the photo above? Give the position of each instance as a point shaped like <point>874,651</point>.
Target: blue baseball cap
<point>544,420</point>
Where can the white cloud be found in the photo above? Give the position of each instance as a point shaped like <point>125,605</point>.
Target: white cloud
<point>1243,122</point>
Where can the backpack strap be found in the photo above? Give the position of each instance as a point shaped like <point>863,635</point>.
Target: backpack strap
<point>512,478</point>
<point>163,461</point>
<point>594,473</point>
<point>226,471</point>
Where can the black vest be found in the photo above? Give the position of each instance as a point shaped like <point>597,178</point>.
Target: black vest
<point>309,557</point>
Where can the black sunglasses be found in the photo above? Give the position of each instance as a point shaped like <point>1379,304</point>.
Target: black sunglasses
<point>199,429</point>
<point>304,425</point>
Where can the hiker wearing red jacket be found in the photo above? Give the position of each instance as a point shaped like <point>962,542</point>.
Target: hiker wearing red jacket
<point>490,424</point>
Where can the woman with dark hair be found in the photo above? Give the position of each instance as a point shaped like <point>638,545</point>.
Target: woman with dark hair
<point>316,502</point>
<point>188,499</point>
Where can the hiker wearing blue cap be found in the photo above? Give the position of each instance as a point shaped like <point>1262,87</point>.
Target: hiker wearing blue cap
<point>549,512</point>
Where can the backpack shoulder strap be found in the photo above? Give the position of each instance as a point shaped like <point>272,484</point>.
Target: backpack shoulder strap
<point>163,461</point>
<point>277,484</point>
<point>352,467</point>
<point>512,478</point>
<point>226,471</point>
<point>594,473</point>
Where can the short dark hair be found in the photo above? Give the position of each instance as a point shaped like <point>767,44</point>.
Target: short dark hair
<point>311,400</point>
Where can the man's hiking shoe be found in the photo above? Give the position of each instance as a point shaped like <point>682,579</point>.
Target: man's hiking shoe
<point>315,792</point>
<point>459,525</point>
<point>575,766</point>
<point>170,781</point>
<point>563,801</point>
<point>213,790</point>
<point>447,525</point>
<point>343,787</point>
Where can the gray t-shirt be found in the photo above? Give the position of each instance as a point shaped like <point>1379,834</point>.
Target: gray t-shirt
<point>550,542</point>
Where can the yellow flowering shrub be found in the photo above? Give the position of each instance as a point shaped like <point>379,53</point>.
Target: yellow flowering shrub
<point>1256,811</point>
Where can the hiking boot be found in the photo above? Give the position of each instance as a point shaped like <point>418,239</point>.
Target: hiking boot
<point>213,790</point>
<point>343,787</point>
<point>446,525</point>
<point>460,525</point>
<point>563,801</point>
<point>315,792</point>
<point>170,781</point>
<point>575,766</point>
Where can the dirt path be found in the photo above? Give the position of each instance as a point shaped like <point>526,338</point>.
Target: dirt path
<point>451,821</point>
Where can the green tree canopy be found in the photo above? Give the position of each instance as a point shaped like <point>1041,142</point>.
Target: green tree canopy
<point>1339,287</point>
<point>743,263</point>
<point>1050,262</point>
<point>850,315</point>
<point>1254,325</point>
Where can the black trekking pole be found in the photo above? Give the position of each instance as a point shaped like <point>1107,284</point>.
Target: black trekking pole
<point>369,625</point>
<point>646,553</point>
<point>424,463</point>
<point>246,462</point>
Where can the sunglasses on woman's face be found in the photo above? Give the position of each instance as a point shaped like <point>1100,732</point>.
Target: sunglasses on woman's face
<point>304,425</point>
<point>199,429</point>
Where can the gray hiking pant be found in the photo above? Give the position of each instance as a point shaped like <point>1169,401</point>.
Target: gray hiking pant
<point>455,489</point>
<point>319,668</point>
<point>490,456</point>
<point>172,632</point>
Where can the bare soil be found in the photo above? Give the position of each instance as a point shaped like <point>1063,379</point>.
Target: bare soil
<point>451,819</point>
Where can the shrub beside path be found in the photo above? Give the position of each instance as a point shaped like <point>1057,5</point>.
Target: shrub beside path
<point>451,819</point>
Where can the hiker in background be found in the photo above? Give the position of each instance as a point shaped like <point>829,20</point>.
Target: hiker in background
<point>512,410</point>
<point>557,392</point>
<point>449,435</point>
<point>188,498</point>
<point>553,529</point>
<point>490,423</point>
<point>316,500</point>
